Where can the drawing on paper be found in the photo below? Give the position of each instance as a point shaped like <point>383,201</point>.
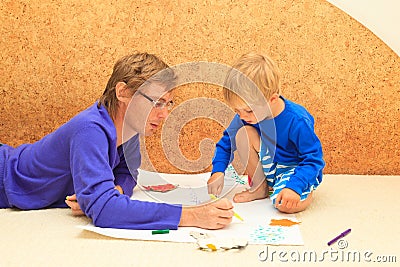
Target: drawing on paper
<point>267,235</point>
<point>230,173</point>
<point>160,188</point>
<point>282,222</point>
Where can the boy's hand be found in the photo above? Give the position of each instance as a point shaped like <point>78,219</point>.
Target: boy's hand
<point>216,183</point>
<point>287,198</point>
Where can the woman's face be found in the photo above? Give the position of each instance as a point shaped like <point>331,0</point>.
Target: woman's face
<point>146,110</point>
<point>159,109</point>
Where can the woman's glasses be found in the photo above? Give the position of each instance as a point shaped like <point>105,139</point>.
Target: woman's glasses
<point>160,103</point>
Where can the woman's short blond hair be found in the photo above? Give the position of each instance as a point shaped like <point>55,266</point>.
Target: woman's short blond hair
<point>135,69</point>
<point>253,79</point>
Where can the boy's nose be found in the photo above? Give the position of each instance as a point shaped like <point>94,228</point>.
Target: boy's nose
<point>242,115</point>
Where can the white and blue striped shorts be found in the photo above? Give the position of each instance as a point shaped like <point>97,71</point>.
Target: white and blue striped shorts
<point>278,174</point>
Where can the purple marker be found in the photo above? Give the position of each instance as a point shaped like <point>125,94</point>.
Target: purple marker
<point>339,236</point>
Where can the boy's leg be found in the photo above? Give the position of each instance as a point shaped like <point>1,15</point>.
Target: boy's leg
<point>248,146</point>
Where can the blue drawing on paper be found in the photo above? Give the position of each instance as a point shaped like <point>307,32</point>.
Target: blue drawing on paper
<point>230,173</point>
<point>267,235</point>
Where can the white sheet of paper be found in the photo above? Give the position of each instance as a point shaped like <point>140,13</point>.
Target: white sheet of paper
<point>193,190</point>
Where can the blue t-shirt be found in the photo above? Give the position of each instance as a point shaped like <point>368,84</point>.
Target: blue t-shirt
<point>290,138</point>
<point>82,157</point>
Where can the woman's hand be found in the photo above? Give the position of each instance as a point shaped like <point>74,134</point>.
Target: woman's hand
<point>72,202</point>
<point>215,215</point>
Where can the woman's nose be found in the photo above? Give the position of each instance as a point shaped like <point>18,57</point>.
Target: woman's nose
<point>163,113</point>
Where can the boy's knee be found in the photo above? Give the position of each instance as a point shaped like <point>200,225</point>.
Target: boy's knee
<point>247,132</point>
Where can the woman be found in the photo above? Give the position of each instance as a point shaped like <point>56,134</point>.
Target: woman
<point>87,156</point>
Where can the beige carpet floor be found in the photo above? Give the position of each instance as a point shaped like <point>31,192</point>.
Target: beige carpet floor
<point>369,205</point>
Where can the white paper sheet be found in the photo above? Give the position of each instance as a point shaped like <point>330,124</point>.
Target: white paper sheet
<point>193,190</point>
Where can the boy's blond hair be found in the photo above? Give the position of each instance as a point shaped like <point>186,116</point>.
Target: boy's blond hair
<point>253,79</point>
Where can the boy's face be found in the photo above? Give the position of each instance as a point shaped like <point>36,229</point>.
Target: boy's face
<point>254,113</point>
<point>246,113</point>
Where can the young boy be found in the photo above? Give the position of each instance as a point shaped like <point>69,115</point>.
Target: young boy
<point>274,137</point>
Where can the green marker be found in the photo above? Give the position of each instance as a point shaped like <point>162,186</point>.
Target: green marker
<point>156,232</point>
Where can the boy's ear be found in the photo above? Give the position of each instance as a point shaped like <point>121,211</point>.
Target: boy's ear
<point>274,98</point>
<point>122,92</point>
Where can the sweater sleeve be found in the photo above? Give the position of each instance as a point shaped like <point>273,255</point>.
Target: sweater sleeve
<point>310,155</point>
<point>226,146</point>
<point>94,186</point>
<point>126,174</point>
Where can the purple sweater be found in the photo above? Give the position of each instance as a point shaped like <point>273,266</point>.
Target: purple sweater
<point>82,157</point>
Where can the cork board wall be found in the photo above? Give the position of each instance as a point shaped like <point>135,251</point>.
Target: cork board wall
<point>56,57</point>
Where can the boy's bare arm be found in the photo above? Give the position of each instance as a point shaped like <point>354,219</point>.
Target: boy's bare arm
<point>215,183</point>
